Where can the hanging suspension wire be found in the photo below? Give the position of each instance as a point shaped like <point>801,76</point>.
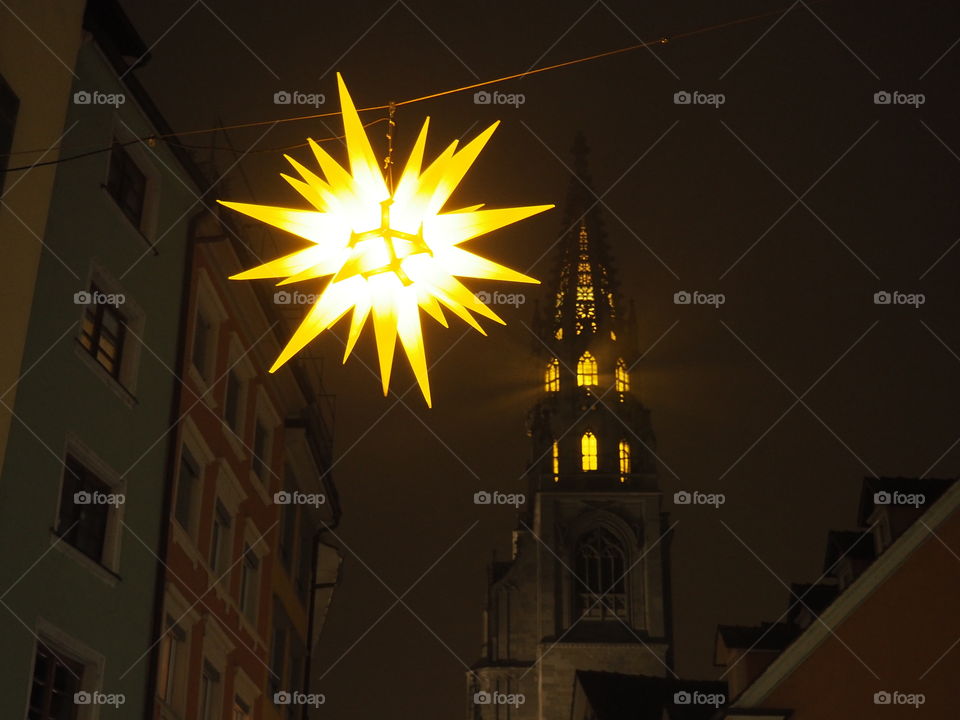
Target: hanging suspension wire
<point>390,107</point>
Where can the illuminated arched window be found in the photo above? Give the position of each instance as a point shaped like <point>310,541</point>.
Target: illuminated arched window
<point>587,370</point>
<point>624,459</point>
<point>556,461</point>
<point>600,568</point>
<point>622,376</point>
<point>588,451</point>
<point>552,377</point>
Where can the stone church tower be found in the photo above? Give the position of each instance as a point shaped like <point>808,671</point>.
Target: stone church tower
<point>588,587</point>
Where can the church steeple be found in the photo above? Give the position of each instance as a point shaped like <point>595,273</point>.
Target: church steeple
<point>589,425</point>
<point>588,586</point>
<point>583,289</point>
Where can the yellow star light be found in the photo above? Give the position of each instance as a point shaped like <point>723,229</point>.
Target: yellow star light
<point>390,250</point>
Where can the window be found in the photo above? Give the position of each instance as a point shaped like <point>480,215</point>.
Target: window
<point>587,370</point>
<point>220,539</point>
<point>556,461</point>
<point>601,588</point>
<point>249,582</point>
<point>624,452</point>
<point>172,664</point>
<point>203,344</point>
<point>9,106</point>
<point>188,485</point>
<point>127,184</point>
<point>261,451</point>
<point>83,521</point>
<point>55,680</point>
<point>305,561</point>
<point>231,403</point>
<point>209,693</point>
<point>241,711</point>
<point>552,378</point>
<point>622,377</point>
<point>278,647</point>
<point>588,451</point>
<point>288,521</point>
<point>103,332</point>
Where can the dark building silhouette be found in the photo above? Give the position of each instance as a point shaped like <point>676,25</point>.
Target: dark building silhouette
<point>588,586</point>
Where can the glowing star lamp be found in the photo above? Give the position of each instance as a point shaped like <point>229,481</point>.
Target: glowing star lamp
<point>390,250</point>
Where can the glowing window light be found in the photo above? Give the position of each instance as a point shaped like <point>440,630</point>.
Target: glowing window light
<point>624,452</point>
<point>390,250</point>
<point>552,377</point>
<point>587,370</point>
<point>556,461</point>
<point>588,451</point>
<point>622,376</point>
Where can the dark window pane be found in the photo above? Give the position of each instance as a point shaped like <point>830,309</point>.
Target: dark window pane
<point>9,106</point>
<point>102,333</point>
<point>231,405</point>
<point>126,183</point>
<point>82,523</point>
<point>186,485</point>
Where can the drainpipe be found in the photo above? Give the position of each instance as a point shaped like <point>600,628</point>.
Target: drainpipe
<point>172,442</point>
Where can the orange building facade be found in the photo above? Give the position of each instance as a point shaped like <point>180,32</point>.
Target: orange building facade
<point>250,498</point>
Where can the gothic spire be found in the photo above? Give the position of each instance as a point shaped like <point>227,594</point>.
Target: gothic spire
<point>583,289</point>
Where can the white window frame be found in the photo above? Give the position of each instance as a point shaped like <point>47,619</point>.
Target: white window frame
<point>134,317</point>
<point>185,617</point>
<point>264,414</point>
<point>110,559</point>
<point>206,303</point>
<point>141,157</point>
<point>192,439</point>
<point>69,647</point>
<point>238,363</point>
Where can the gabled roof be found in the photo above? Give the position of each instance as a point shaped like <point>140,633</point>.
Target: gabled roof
<point>854,544</point>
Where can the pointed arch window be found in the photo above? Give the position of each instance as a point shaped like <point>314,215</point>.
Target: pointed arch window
<point>622,377</point>
<point>551,380</point>
<point>556,461</point>
<point>600,585</point>
<point>588,451</point>
<point>624,453</point>
<point>587,370</point>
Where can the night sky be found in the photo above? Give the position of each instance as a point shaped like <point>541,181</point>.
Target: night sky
<point>798,199</point>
